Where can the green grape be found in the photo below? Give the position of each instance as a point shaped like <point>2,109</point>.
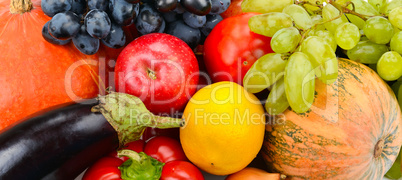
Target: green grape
<point>322,57</point>
<point>396,30</point>
<point>356,20</point>
<point>264,6</point>
<point>268,24</point>
<point>285,40</point>
<point>299,82</point>
<point>363,38</point>
<point>329,71</point>
<point>311,7</point>
<point>389,6</point>
<point>378,30</point>
<point>361,7</point>
<point>329,12</point>
<point>327,36</point>
<point>377,4</point>
<point>264,72</point>
<point>317,19</point>
<point>276,102</point>
<point>395,17</point>
<point>315,1</point>
<point>299,15</point>
<point>396,42</point>
<point>347,35</point>
<point>389,67</point>
<point>367,52</point>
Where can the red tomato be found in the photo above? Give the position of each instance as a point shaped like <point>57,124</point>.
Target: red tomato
<point>181,170</point>
<point>105,168</point>
<point>231,48</point>
<point>151,132</point>
<point>165,149</point>
<point>137,146</point>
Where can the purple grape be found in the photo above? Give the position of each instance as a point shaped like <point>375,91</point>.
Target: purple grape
<point>219,6</point>
<point>52,7</point>
<point>116,38</point>
<point>193,20</point>
<point>51,39</point>
<point>97,23</point>
<point>64,25</point>
<point>85,42</point>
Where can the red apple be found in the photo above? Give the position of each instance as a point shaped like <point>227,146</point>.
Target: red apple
<point>233,9</point>
<point>160,69</point>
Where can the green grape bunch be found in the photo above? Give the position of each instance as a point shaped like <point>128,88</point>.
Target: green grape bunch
<point>306,37</point>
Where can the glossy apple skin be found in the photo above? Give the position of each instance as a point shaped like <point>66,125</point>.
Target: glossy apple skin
<point>161,70</point>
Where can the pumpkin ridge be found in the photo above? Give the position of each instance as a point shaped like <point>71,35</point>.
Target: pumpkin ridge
<point>337,138</point>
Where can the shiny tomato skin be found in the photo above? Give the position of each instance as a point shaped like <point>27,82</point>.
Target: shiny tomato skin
<point>105,168</point>
<point>231,49</point>
<point>181,170</point>
<point>165,149</point>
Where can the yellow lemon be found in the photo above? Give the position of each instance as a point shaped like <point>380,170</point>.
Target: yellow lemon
<point>224,128</point>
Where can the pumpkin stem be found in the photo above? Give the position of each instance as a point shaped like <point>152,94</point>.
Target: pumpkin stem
<point>20,6</point>
<point>378,148</point>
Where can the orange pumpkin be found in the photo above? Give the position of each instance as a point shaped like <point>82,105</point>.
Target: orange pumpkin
<point>352,131</point>
<point>35,74</point>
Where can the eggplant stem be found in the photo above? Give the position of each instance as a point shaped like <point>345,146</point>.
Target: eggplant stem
<point>129,117</point>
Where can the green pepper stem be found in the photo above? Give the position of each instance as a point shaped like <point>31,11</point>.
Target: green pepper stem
<point>130,154</point>
<point>139,166</point>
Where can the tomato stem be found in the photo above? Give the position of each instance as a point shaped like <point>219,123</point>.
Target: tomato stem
<point>20,6</point>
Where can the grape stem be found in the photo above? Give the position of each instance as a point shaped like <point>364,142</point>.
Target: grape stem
<point>302,3</point>
<point>346,10</point>
<point>304,34</point>
<point>342,9</point>
<point>309,3</point>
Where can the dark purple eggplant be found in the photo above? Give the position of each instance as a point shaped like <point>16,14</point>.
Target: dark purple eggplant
<point>63,142</point>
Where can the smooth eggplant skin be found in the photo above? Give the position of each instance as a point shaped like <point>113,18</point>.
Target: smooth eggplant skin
<point>56,145</point>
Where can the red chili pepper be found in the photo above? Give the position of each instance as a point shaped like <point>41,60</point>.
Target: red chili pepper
<point>138,165</point>
<point>165,149</point>
<point>106,168</point>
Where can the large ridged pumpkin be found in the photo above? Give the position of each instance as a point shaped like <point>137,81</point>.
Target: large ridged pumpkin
<point>35,74</point>
<point>353,130</point>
